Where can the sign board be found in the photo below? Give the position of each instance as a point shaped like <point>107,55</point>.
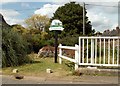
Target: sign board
<point>56,25</point>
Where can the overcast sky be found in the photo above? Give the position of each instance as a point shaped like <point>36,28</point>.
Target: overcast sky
<point>102,14</point>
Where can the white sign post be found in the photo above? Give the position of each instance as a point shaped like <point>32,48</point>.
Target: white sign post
<point>56,25</point>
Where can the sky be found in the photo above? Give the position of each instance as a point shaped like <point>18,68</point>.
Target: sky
<point>102,14</point>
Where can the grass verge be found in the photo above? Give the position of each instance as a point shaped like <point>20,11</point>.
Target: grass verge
<point>38,68</point>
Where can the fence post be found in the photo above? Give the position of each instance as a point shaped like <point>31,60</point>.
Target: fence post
<point>118,53</point>
<point>60,54</point>
<point>76,56</point>
<point>92,51</point>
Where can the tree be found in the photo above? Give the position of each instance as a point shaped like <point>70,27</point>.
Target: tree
<point>37,22</point>
<point>71,15</point>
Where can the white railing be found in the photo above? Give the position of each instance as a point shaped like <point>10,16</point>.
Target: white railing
<point>94,51</point>
<point>76,48</point>
<point>99,51</point>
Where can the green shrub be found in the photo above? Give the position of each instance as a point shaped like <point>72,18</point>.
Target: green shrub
<point>14,48</point>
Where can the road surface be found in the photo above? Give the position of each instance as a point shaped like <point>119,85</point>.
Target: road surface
<point>85,79</point>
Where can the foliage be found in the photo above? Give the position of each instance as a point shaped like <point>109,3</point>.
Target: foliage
<point>20,29</point>
<point>69,40</point>
<point>71,15</point>
<point>37,22</point>
<point>14,48</point>
<point>35,38</point>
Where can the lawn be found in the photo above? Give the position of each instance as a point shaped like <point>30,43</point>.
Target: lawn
<point>38,68</point>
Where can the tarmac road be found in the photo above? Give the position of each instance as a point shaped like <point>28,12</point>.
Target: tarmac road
<point>85,79</point>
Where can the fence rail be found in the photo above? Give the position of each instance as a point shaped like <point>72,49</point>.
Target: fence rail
<point>76,48</point>
<point>94,51</point>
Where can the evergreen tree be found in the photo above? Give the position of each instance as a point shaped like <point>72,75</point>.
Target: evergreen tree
<point>71,15</point>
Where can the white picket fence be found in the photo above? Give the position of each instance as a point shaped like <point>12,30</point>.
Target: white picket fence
<point>94,51</point>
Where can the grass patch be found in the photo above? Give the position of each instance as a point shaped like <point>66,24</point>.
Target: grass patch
<point>39,66</point>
